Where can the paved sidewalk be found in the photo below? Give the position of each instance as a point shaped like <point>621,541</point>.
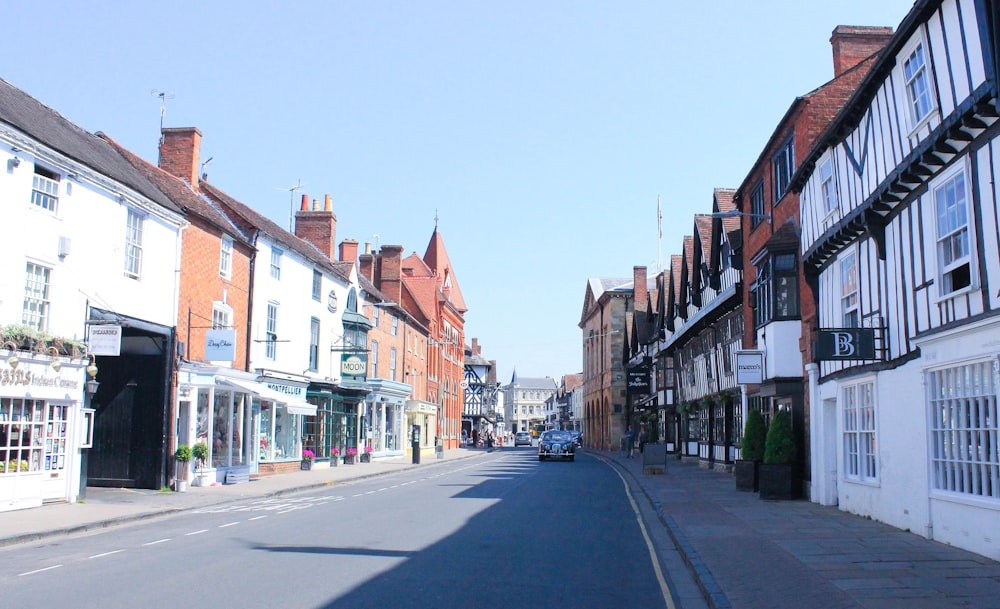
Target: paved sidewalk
<point>104,507</point>
<point>754,554</point>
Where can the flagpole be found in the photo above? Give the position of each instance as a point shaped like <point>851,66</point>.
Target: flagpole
<point>659,233</point>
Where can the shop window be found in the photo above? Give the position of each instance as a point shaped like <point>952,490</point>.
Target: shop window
<point>32,439</point>
<point>35,313</point>
<point>964,430</point>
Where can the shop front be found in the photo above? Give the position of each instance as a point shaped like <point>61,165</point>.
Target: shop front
<point>423,416</point>
<point>250,424</point>
<point>43,428</point>
<point>334,429</point>
<point>384,418</point>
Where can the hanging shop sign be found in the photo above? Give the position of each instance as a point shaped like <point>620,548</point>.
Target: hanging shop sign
<point>846,344</point>
<point>638,380</point>
<point>354,365</point>
<point>104,340</point>
<point>749,367</point>
<point>220,345</point>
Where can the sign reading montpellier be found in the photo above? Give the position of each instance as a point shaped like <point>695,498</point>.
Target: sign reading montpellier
<point>749,367</point>
<point>846,343</point>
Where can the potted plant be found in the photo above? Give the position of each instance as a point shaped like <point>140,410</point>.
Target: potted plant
<point>307,459</point>
<point>366,456</point>
<point>751,452</point>
<point>199,452</point>
<point>350,455</point>
<point>334,457</point>
<point>182,455</point>
<point>776,472</point>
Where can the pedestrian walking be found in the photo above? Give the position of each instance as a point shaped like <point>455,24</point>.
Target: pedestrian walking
<point>629,442</point>
<point>642,439</point>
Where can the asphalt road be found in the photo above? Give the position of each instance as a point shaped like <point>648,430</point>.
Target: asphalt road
<point>501,531</point>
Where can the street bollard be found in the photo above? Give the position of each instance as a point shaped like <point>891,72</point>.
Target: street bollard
<point>415,445</point>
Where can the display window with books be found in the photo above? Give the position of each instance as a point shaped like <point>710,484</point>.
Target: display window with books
<point>33,436</point>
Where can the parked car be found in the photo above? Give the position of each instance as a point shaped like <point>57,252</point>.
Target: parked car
<point>577,438</point>
<point>522,438</point>
<point>556,444</point>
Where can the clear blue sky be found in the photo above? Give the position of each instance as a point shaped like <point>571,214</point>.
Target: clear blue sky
<point>539,132</point>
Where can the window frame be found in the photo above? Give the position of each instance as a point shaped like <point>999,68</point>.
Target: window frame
<point>222,316</point>
<point>276,254</point>
<point>758,204</point>
<point>850,302</point>
<point>226,245</point>
<point>860,458</point>
<point>765,292</point>
<point>271,331</point>
<point>373,359</point>
<point>944,273</point>
<point>39,305</point>
<point>955,451</point>
<point>918,43</point>
<point>134,228</point>
<point>392,363</point>
<point>782,168</point>
<point>314,334</point>
<point>828,190</point>
<point>317,286</point>
<point>45,190</point>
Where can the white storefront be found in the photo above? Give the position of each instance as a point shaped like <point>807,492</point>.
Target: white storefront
<point>42,428</point>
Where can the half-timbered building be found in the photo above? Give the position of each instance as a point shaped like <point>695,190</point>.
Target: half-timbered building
<point>701,332</point>
<point>772,288</point>
<point>900,241</point>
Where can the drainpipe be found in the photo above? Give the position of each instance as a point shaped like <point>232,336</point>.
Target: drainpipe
<point>253,265</point>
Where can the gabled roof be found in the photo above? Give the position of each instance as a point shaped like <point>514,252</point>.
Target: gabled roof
<point>596,287</point>
<point>436,258</point>
<point>248,216</point>
<point>43,124</point>
<point>181,194</point>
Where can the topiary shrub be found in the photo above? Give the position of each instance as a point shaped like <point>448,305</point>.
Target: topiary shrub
<point>754,434</point>
<point>779,447</point>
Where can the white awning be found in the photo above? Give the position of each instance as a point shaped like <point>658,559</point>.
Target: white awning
<point>293,404</point>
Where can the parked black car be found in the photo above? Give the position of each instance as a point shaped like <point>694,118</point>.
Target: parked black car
<point>577,438</point>
<point>556,444</point>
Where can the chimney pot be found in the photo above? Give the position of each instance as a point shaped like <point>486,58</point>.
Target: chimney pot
<point>305,203</point>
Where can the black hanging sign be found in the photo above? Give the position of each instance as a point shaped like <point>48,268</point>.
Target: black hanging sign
<point>638,380</point>
<point>846,343</point>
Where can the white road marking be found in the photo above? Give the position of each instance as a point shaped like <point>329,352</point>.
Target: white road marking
<point>39,570</point>
<point>102,555</point>
<point>231,524</point>
<point>153,543</point>
<point>196,532</point>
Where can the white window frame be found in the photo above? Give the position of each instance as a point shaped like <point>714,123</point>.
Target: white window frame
<point>859,431</point>
<point>923,75</point>
<point>314,334</point>
<point>392,363</point>
<point>271,331</point>
<point>45,190</point>
<point>37,291</point>
<point>317,286</point>
<point>828,186</point>
<point>782,168</point>
<point>850,300</point>
<point>373,359</point>
<point>133,244</point>
<point>395,325</point>
<point>962,428</point>
<point>226,257</point>
<point>222,316</point>
<point>944,271</point>
<point>276,254</point>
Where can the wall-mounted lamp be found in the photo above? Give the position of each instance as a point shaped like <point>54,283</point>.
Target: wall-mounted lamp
<point>14,162</point>
<point>12,361</point>
<point>92,368</point>
<point>56,364</point>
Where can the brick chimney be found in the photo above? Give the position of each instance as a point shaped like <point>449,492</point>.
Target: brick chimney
<point>852,44</point>
<point>180,153</point>
<point>390,272</point>
<point>318,225</point>
<point>348,250</point>
<point>639,292</point>
<point>366,263</point>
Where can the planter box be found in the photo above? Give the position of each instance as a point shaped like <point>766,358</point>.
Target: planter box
<point>306,465</point>
<point>776,481</point>
<point>747,476</point>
